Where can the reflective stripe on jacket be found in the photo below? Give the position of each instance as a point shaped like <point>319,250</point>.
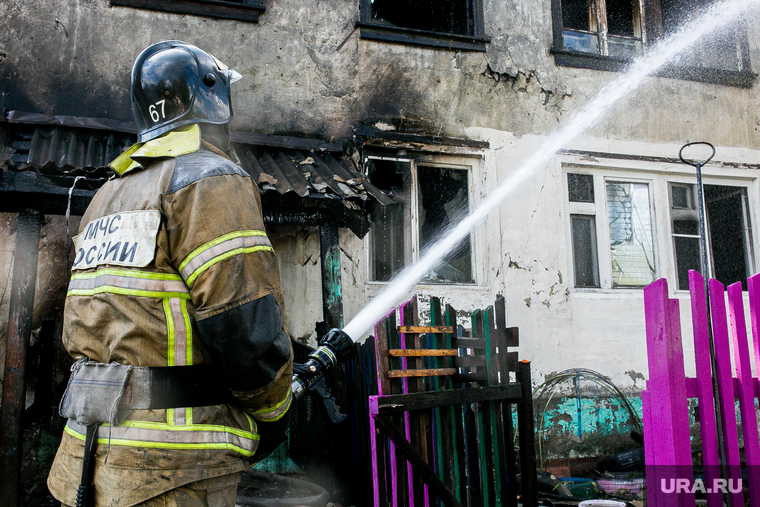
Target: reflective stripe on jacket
<point>172,263</point>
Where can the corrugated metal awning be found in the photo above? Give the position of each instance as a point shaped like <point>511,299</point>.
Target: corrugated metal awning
<point>63,148</point>
<point>307,173</point>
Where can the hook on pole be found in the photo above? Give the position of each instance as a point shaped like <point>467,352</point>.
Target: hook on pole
<point>692,162</point>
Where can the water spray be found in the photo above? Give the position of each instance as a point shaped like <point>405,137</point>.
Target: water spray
<point>333,345</point>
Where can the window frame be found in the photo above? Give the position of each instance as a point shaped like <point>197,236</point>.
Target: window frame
<point>599,210</point>
<point>473,166</point>
<point>660,181</point>
<point>246,10</point>
<point>650,32</point>
<point>472,42</point>
<point>747,205</point>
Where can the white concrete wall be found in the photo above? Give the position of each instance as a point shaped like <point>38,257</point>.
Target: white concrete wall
<point>526,257</point>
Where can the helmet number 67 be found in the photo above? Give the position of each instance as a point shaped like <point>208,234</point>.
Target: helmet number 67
<point>153,110</point>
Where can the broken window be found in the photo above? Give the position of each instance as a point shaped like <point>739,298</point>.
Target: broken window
<point>628,230</point>
<point>239,10</point>
<point>443,23</point>
<point>729,242</point>
<point>604,34</point>
<point>429,199</point>
<point>631,239</point>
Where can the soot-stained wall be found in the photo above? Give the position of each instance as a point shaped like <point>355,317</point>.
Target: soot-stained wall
<point>307,72</point>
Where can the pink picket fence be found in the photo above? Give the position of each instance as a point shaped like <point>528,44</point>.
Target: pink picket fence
<point>674,477</point>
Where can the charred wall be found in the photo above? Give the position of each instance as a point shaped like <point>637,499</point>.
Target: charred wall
<point>308,72</point>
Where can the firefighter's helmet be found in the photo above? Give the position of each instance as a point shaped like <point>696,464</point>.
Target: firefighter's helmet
<point>175,84</point>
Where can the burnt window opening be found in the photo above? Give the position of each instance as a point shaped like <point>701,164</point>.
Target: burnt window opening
<point>443,202</point>
<point>429,199</point>
<point>606,34</point>
<point>442,16</point>
<point>239,10</point>
<point>389,248</point>
<point>454,24</point>
<point>727,228</point>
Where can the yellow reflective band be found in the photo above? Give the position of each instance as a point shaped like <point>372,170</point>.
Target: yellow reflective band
<point>188,333</point>
<point>167,445</point>
<point>275,413</point>
<point>227,255</point>
<point>166,436</point>
<point>126,292</point>
<point>128,282</point>
<point>129,273</point>
<point>220,239</point>
<point>169,332</point>
<point>218,428</point>
<point>180,141</point>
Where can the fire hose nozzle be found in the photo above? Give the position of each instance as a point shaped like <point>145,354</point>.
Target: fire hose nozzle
<point>335,347</point>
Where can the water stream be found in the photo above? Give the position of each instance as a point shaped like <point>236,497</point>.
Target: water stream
<point>714,18</point>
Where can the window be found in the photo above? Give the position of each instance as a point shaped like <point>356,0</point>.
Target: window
<point>429,198</point>
<point>628,260</point>
<point>605,34</point>
<point>240,10</point>
<point>454,24</point>
<point>629,212</point>
<point>607,28</point>
<point>611,237</point>
<point>726,227</point>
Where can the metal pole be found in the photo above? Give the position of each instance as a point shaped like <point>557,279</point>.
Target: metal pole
<point>706,274</point>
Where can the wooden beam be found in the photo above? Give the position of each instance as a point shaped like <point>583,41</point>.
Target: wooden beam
<point>434,372</point>
<point>19,333</point>
<point>332,289</point>
<point>422,352</point>
<point>425,400</point>
<point>223,10</point>
<point>425,329</point>
<point>427,473</point>
<point>525,427</point>
<point>19,188</point>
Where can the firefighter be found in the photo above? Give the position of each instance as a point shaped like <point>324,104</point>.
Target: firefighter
<point>174,309</point>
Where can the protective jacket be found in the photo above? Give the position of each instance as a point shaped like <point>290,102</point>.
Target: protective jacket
<point>173,267</point>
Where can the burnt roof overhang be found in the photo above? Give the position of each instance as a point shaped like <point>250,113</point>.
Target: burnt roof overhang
<point>303,181</point>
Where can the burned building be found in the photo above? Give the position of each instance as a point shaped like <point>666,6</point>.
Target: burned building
<point>373,125</point>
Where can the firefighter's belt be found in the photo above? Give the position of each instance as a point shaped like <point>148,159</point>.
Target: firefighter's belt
<point>107,393</point>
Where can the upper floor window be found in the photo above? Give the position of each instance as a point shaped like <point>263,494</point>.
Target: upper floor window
<point>613,238</point>
<point>456,24</point>
<point>429,198</point>
<point>604,34</point>
<point>240,10</point>
<point>604,27</point>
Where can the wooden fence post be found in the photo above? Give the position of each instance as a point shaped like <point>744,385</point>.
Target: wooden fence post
<point>667,407</point>
<point>19,333</point>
